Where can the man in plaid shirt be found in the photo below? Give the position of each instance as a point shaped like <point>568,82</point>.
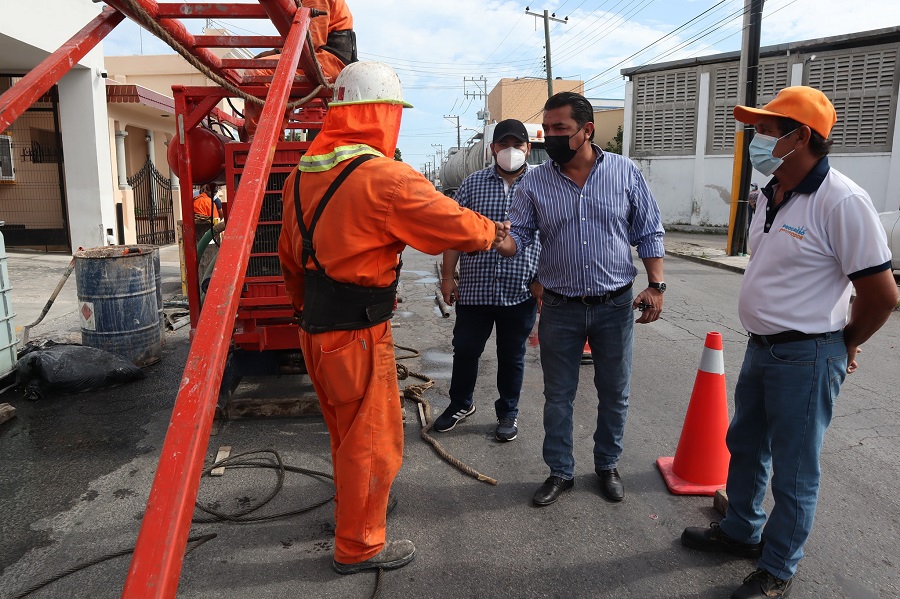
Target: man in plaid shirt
<point>491,290</point>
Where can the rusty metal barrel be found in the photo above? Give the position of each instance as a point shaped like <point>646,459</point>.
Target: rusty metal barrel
<point>118,301</point>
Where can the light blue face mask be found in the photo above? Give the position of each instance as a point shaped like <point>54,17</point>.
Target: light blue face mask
<point>761,157</point>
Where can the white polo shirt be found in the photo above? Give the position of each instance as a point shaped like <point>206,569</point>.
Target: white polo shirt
<point>805,253</point>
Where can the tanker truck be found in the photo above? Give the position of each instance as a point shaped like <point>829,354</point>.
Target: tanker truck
<point>476,155</point>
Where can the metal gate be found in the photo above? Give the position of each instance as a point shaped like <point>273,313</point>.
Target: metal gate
<point>153,213</point>
<point>32,185</point>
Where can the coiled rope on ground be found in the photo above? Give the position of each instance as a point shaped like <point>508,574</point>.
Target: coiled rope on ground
<point>416,393</point>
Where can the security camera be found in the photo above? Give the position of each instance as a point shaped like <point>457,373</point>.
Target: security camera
<point>102,73</point>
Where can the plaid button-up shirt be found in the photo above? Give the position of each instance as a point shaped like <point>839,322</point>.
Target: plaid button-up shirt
<point>487,278</point>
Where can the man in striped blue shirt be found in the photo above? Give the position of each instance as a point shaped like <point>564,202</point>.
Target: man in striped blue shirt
<point>590,207</point>
<point>492,290</point>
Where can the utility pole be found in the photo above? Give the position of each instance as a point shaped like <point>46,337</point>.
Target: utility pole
<point>748,77</point>
<point>458,133</point>
<point>547,18</point>
<point>440,148</point>
<point>484,115</point>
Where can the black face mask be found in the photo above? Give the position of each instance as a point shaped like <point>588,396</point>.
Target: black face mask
<point>558,149</point>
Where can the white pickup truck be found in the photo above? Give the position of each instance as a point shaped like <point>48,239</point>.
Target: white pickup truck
<point>891,223</point>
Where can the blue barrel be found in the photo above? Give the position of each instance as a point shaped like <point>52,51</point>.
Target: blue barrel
<point>157,267</point>
<point>117,301</point>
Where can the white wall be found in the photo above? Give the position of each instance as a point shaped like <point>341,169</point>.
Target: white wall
<point>706,201</point>
<point>48,24</point>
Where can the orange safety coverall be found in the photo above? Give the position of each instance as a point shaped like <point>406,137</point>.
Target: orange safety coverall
<point>204,206</point>
<point>382,207</point>
<point>338,19</point>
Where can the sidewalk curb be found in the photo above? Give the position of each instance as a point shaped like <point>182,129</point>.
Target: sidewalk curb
<point>706,261</point>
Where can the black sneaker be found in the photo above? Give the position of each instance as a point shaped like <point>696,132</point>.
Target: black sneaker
<point>762,584</point>
<point>451,417</point>
<point>395,554</point>
<point>507,429</point>
<point>713,539</point>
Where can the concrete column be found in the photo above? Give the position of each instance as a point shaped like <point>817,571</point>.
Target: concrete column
<point>120,159</point>
<point>150,152</point>
<point>699,183</point>
<point>88,170</point>
<point>628,119</point>
<point>797,74</point>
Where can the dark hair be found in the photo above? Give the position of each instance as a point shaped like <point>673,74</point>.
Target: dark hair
<point>582,111</point>
<point>818,145</point>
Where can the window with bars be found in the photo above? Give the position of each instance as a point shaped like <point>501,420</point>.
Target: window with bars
<point>862,85</point>
<point>665,115</point>
<point>774,74</point>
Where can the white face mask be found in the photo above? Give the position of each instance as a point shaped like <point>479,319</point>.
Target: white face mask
<point>510,159</point>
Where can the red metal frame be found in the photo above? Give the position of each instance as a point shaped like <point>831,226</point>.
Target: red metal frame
<point>263,312</point>
<point>157,561</point>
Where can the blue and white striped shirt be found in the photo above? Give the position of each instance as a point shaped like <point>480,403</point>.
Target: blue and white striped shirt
<point>487,278</point>
<point>586,233</point>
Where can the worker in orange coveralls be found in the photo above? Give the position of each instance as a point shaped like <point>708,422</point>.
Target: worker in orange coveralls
<point>343,286</point>
<point>333,38</point>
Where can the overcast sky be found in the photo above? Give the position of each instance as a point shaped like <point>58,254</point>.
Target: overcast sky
<point>436,46</point>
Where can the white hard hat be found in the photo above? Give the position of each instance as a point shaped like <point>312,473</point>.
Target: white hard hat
<point>368,82</point>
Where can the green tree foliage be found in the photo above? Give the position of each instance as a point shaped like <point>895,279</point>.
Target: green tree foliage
<point>397,155</point>
<point>615,145</point>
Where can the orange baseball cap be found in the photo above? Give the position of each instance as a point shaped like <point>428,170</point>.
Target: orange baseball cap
<point>806,105</point>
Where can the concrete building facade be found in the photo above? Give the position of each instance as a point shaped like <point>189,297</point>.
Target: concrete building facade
<point>61,199</point>
<point>680,130</point>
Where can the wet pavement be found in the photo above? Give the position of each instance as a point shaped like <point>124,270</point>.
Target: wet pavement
<point>76,471</point>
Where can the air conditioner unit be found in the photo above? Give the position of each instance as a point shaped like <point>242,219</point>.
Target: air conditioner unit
<point>7,168</point>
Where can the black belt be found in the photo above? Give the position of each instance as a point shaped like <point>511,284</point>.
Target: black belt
<point>591,300</point>
<point>785,337</point>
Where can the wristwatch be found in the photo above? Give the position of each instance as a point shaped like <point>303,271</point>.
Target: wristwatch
<point>661,287</point>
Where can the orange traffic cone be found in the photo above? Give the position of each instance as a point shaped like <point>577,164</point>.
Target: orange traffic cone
<point>586,356</point>
<point>700,466</point>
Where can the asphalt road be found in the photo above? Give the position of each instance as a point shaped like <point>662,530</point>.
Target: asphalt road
<point>75,474</point>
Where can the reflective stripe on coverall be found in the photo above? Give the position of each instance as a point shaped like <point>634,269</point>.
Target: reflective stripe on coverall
<point>381,208</point>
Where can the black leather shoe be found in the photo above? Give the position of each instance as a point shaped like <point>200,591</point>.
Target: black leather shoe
<point>713,539</point>
<point>550,491</point>
<point>762,584</point>
<point>611,484</point>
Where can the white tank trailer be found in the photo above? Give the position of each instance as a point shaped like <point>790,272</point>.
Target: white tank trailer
<point>476,155</point>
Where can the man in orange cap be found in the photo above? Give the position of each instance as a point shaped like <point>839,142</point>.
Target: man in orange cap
<point>360,208</point>
<point>816,236</point>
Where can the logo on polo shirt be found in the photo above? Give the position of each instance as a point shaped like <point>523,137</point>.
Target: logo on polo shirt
<point>798,232</point>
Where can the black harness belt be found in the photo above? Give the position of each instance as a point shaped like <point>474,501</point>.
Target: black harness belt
<point>330,305</point>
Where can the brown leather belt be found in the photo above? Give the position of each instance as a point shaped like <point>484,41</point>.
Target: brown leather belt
<point>591,300</point>
<point>785,337</point>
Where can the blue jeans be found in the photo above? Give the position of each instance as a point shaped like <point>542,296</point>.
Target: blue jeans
<point>472,330</point>
<point>783,403</point>
<point>609,329</point>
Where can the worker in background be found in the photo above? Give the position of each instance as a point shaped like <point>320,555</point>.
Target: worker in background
<point>491,290</point>
<point>334,41</point>
<point>816,237</point>
<point>206,208</point>
<point>358,210</point>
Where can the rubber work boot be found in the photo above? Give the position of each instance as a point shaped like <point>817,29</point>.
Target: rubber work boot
<point>395,554</point>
